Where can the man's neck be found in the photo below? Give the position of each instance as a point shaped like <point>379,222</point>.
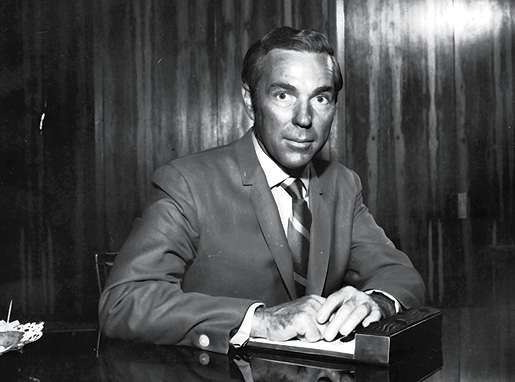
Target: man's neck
<point>273,172</point>
<point>296,173</point>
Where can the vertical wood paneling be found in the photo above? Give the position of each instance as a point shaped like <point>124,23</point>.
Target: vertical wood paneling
<point>373,105</point>
<point>182,80</point>
<point>356,85</point>
<point>312,14</point>
<point>205,54</point>
<point>25,261</point>
<point>35,176</point>
<point>432,98</point>
<point>228,74</point>
<point>81,18</point>
<point>432,128</point>
<point>287,9</point>
<point>184,103</point>
<point>99,42</point>
<point>47,145</point>
<point>426,113</point>
<point>246,40</point>
<point>509,184</point>
<point>502,171</point>
<point>462,150</point>
<point>396,36</point>
<point>483,116</point>
<point>339,140</point>
<point>442,148</point>
<point>144,74</point>
<point>428,117</point>
<point>118,120</point>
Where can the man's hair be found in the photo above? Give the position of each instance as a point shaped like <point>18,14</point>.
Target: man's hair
<point>287,38</point>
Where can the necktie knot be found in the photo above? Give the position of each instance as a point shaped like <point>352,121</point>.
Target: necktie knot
<point>294,189</point>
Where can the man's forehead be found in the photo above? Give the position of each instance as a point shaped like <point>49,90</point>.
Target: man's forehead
<point>282,62</point>
<point>289,54</point>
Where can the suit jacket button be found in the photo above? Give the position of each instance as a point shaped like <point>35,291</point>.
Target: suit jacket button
<point>203,341</point>
<point>204,358</point>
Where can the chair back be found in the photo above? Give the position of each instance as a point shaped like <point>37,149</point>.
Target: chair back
<point>103,263</point>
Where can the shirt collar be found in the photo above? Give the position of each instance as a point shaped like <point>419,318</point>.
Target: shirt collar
<point>274,174</point>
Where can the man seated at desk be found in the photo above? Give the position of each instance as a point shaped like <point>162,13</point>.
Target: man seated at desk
<point>260,238</point>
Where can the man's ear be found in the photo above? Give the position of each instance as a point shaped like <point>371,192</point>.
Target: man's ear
<point>247,101</point>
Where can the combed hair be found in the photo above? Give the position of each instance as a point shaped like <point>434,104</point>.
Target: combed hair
<point>287,38</point>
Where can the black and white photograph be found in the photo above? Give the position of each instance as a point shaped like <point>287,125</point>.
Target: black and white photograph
<point>257,190</point>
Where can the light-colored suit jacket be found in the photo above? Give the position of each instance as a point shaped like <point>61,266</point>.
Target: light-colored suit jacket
<point>210,243</point>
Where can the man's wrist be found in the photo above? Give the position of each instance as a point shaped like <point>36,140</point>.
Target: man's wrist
<point>258,328</point>
<point>243,333</point>
<point>386,305</point>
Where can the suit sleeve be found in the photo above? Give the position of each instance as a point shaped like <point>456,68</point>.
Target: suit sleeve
<point>143,299</point>
<point>375,263</point>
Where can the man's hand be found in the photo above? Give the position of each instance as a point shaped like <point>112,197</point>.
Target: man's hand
<point>289,320</point>
<point>344,310</point>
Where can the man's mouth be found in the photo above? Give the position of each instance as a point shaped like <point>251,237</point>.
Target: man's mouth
<point>299,143</point>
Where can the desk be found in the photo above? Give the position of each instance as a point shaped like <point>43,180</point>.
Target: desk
<point>477,346</point>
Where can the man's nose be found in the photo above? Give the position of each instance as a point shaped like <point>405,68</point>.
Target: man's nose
<point>303,115</point>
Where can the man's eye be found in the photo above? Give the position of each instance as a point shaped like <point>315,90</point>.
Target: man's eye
<point>322,99</point>
<point>282,96</point>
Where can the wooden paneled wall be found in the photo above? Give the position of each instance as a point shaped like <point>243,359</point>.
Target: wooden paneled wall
<point>425,116</point>
<point>96,95</point>
<point>47,151</point>
<point>168,84</point>
<point>401,118</point>
<point>429,118</point>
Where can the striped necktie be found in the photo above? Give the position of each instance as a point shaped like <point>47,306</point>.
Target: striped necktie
<point>299,226</point>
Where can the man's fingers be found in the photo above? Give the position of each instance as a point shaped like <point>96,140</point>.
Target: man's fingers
<point>311,318</point>
<point>348,317</point>
<point>321,300</point>
<point>337,321</point>
<point>312,334</point>
<point>310,329</point>
<point>374,316</point>
<point>331,304</point>
<point>292,319</point>
<point>355,318</point>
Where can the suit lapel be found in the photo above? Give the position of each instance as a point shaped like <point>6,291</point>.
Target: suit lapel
<point>319,250</point>
<point>266,211</point>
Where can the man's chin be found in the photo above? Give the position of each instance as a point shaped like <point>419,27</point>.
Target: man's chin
<point>295,166</point>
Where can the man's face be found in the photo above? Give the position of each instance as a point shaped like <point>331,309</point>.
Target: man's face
<point>293,107</point>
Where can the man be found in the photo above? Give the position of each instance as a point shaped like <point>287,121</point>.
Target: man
<point>260,238</point>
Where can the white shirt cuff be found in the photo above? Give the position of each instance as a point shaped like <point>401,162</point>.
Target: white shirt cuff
<point>243,334</point>
<point>397,303</point>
